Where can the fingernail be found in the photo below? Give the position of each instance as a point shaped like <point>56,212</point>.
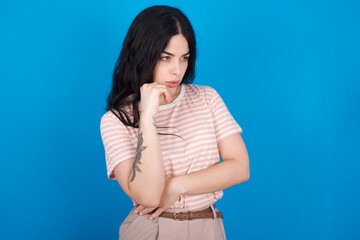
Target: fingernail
<point>141,213</point>
<point>136,211</point>
<point>150,218</point>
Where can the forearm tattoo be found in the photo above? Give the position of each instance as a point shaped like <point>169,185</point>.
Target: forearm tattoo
<point>139,149</point>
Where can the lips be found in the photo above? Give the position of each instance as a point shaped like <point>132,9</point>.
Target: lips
<point>172,84</point>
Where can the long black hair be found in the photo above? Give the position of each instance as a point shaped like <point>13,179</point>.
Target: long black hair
<point>147,37</point>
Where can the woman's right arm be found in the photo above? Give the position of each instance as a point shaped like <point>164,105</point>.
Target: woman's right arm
<point>143,178</point>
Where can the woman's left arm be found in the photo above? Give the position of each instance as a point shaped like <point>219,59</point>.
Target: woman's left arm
<point>233,169</point>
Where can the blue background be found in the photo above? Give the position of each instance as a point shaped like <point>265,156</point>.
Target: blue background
<point>288,71</point>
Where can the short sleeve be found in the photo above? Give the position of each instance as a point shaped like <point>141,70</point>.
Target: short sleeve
<point>117,142</point>
<point>225,124</point>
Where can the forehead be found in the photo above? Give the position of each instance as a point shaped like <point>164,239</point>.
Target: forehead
<point>177,45</point>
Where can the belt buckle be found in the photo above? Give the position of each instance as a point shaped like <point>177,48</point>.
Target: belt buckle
<point>174,216</point>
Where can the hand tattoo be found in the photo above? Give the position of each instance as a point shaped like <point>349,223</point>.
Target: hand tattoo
<point>139,149</point>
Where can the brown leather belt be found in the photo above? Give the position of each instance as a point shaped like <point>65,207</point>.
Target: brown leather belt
<point>180,216</point>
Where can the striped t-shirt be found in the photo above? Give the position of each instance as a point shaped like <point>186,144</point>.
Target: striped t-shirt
<point>197,119</point>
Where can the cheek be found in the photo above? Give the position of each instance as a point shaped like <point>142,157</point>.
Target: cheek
<point>159,73</point>
<point>185,66</point>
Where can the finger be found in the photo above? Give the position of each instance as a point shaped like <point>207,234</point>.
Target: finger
<point>163,90</point>
<point>156,213</point>
<point>146,211</point>
<point>155,85</point>
<point>135,204</point>
<point>139,209</point>
<point>167,96</point>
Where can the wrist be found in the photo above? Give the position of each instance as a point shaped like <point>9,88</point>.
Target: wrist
<point>147,111</point>
<point>179,185</point>
<point>147,118</point>
<point>146,114</point>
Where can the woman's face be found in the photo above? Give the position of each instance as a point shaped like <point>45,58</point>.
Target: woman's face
<point>172,64</point>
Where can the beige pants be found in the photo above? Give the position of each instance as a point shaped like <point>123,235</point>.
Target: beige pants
<point>137,227</point>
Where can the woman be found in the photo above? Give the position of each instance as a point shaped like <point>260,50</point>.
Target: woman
<point>163,135</point>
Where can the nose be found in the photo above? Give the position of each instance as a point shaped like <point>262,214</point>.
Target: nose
<point>175,70</point>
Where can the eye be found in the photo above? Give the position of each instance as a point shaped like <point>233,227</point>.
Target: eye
<point>185,59</point>
<point>164,58</point>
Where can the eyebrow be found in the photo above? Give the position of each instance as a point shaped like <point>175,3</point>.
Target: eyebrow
<point>174,55</point>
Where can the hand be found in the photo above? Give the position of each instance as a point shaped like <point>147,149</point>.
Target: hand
<point>170,195</point>
<point>141,209</point>
<point>150,97</point>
